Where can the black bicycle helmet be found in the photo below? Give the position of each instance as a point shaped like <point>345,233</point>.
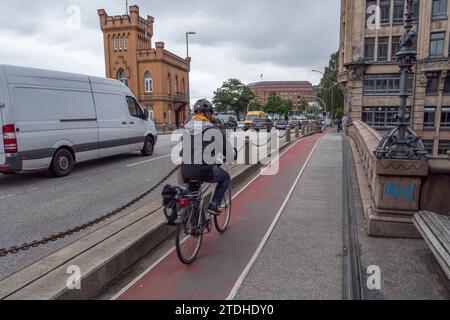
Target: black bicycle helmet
<point>203,106</point>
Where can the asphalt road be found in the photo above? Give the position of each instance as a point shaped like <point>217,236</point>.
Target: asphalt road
<point>34,205</point>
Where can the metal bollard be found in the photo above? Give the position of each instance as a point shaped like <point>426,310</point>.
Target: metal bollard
<point>303,129</point>
<point>288,135</point>
<point>297,132</point>
<point>180,179</point>
<point>247,151</point>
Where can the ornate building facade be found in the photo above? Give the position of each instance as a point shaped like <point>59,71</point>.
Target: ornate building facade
<point>369,73</point>
<point>288,90</point>
<point>157,77</point>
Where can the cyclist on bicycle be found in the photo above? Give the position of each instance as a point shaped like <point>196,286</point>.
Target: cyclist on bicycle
<point>206,143</point>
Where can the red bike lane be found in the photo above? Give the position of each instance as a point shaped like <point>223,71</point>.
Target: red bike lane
<point>223,258</point>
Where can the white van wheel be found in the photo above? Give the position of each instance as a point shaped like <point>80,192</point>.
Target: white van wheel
<point>62,163</point>
<point>149,147</point>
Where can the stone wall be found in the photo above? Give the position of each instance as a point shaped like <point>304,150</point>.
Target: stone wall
<point>435,194</point>
<point>398,188</point>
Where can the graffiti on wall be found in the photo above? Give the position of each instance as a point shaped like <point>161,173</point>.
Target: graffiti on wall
<point>396,190</point>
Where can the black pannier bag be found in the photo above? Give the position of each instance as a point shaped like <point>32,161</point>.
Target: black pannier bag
<point>170,204</point>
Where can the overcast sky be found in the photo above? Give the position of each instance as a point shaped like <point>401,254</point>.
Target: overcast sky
<point>283,39</point>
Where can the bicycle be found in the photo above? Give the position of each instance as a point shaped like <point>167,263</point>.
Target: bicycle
<point>193,221</point>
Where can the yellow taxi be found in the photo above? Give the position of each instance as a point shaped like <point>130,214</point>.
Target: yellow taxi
<point>251,116</point>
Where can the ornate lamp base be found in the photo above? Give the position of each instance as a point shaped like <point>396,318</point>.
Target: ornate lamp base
<point>391,147</point>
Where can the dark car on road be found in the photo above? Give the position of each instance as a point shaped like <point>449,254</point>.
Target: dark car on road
<point>262,124</point>
<point>281,124</point>
<point>227,121</point>
<point>295,123</point>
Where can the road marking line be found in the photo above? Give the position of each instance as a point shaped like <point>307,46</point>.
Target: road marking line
<point>168,253</point>
<point>269,232</point>
<point>147,161</point>
<point>7,196</point>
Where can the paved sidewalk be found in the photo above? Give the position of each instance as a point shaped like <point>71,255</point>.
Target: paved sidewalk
<point>303,257</point>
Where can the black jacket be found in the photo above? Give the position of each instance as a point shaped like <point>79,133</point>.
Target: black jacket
<point>202,144</point>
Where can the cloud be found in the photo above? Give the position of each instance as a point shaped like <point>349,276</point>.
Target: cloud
<point>283,39</point>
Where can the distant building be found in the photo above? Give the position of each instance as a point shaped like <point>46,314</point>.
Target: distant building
<point>157,77</point>
<point>288,90</point>
<point>369,72</point>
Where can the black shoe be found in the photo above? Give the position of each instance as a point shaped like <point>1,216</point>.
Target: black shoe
<point>214,210</point>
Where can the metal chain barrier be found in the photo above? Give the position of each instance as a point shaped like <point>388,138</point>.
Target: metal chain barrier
<point>61,235</point>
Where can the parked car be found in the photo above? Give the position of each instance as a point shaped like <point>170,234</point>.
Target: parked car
<point>262,124</point>
<point>281,124</point>
<point>241,125</point>
<point>228,121</point>
<point>51,120</point>
<point>251,116</point>
<point>295,123</point>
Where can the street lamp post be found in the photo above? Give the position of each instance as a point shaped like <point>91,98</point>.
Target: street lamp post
<point>248,106</point>
<point>402,142</point>
<point>332,93</point>
<point>326,110</point>
<point>187,41</point>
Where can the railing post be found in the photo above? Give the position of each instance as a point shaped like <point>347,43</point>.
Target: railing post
<point>247,151</point>
<point>180,179</point>
<point>288,135</point>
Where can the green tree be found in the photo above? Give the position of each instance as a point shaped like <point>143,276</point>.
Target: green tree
<point>255,106</point>
<point>312,109</point>
<point>286,108</point>
<point>339,113</point>
<point>276,105</point>
<point>272,102</point>
<point>303,104</point>
<point>331,93</point>
<point>233,96</point>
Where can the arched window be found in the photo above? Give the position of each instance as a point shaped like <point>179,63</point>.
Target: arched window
<point>116,46</point>
<point>120,42</point>
<point>148,82</point>
<point>177,88</point>
<point>169,84</point>
<point>125,42</point>
<point>122,76</point>
<point>183,86</point>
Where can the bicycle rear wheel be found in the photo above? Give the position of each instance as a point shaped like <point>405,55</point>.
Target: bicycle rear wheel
<point>188,241</point>
<point>222,222</point>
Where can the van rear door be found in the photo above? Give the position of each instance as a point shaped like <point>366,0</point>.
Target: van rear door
<point>2,148</point>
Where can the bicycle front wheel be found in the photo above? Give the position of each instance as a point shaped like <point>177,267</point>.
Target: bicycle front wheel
<point>222,222</point>
<point>188,243</point>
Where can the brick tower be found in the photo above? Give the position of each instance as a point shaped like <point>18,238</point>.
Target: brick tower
<point>157,77</point>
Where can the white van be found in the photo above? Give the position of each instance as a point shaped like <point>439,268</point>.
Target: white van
<point>52,119</point>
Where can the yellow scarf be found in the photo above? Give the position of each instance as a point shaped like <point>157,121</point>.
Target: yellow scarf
<point>200,118</point>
